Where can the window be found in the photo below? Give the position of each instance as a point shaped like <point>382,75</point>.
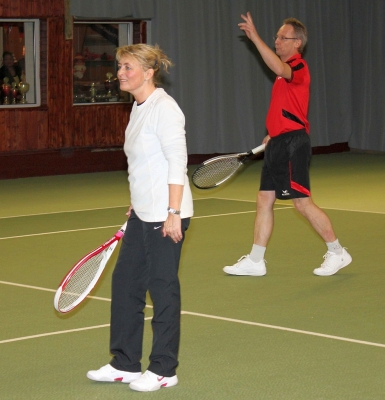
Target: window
<point>20,64</point>
<point>94,66</point>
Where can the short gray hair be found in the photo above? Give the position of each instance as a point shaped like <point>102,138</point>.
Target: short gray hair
<point>299,29</point>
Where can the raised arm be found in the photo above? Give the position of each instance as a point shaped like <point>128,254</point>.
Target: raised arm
<point>279,67</point>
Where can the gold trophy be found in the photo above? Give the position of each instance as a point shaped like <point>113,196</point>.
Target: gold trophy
<point>6,88</point>
<point>93,92</point>
<point>14,92</point>
<point>108,84</point>
<point>23,89</point>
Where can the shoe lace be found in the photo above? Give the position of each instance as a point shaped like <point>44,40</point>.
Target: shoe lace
<point>147,375</point>
<point>326,256</point>
<point>242,258</point>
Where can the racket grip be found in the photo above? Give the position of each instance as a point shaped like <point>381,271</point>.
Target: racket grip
<point>120,233</point>
<point>258,149</point>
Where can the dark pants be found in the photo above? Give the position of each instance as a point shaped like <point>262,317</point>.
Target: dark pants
<point>147,261</point>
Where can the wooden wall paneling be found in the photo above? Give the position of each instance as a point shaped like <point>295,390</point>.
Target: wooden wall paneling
<point>100,125</point>
<point>105,127</point>
<point>24,130</point>
<point>84,125</point>
<point>5,132</point>
<point>77,126</point>
<point>13,138</point>
<point>31,9</point>
<point>68,93</point>
<point>122,118</point>
<point>42,129</point>
<point>59,84</point>
<point>35,125</point>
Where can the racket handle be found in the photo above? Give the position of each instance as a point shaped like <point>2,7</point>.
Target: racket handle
<point>258,149</point>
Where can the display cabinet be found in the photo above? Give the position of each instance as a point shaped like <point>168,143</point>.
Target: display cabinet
<point>94,67</point>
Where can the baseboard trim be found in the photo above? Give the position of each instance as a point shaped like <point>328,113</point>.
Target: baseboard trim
<point>61,162</point>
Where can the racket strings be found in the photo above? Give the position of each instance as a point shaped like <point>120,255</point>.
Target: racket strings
<point>212,174</point>
<point>79,281</point>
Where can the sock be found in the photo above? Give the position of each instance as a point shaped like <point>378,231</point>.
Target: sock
<point>257,253</point>
<point>334,247</point>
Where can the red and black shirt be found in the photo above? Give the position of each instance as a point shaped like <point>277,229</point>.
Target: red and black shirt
<point>290,100</point>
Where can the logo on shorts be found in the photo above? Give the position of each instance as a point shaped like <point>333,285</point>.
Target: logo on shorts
<point>285,193</point>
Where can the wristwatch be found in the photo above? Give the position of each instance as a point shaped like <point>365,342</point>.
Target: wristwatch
<point>173,211</point>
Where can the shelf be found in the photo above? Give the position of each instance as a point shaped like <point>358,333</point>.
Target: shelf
<point>100,63</point>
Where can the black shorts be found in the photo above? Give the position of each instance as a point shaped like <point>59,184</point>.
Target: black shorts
<point>286,165</point>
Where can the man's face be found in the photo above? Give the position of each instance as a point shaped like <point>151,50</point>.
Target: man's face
<point>286,43</point>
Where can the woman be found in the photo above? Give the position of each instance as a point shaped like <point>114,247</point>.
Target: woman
<point>9,69</point>
<point>159,215</point>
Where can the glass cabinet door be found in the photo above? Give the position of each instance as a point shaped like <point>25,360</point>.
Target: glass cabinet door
<point>94,64</point>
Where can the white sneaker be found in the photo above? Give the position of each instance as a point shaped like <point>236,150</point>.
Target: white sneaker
<point>109,374</point>
<point>245,266</point>
<point>149,382</point>
<point>333,263</point>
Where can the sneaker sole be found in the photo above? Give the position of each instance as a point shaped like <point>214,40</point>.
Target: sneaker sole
<point>110,380</point>
<point>245,274</point>
<point>140,389</point>
<point>347,262</point>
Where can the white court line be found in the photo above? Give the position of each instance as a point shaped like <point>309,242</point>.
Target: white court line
<point>225,198</point>
<point>356,211</point>
<point>282,328</point>
<point>52,233</point>
<point>215,317</point>
<point>53,290</point>
<point>74,211</point>
<point>291,206</point>
<point>57,333</point>
<point>234,213</point>
<point>63,212</point>
<point>46,290</point>
<point>114,226</point>
<point>203,198</point>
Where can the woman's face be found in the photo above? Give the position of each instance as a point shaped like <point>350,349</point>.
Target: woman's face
<point>131,75</point>
<point>8,60</point>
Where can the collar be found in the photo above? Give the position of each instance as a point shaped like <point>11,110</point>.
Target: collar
<point>297,56</point>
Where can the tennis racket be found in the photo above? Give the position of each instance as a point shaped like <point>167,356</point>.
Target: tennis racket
<point>82,277</point>
<point>217,170</point>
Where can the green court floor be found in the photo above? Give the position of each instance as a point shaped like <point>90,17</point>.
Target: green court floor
<point>289,335</point>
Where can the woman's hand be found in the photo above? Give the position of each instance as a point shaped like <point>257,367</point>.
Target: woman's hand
<point>173,227</point>
<point>128,213</point>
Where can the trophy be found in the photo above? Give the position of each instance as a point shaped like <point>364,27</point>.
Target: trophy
<point>23,89</point>
<point>14,92</point>
<point>93,92</point>
<point>108,84</point>
<point>6,88</point>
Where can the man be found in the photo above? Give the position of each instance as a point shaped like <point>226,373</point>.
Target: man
<point>285,173</point>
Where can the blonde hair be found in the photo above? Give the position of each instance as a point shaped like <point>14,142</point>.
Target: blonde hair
<point>148,56</point>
